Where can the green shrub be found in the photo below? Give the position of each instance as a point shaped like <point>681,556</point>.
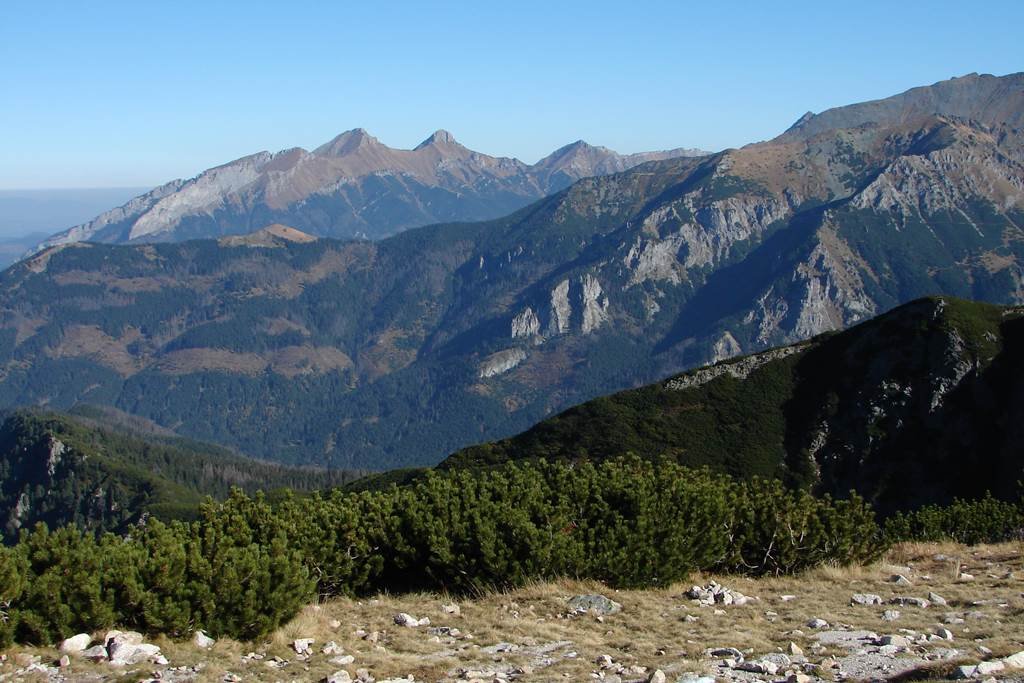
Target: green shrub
<point>987,520</point>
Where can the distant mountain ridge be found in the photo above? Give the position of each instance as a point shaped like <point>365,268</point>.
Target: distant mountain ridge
<point>351,186</point>
<point>397,352</point>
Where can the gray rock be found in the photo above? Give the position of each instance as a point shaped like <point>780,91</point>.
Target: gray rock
<point>937,599</point>
<point>582,604</point>
<point>778,659</point>
<point>341,676</point>
<point>907,601</point>
<point>900,580</point>
<point>817,623</point>
<point>865,599</point>
<point>898,641</point>
<point>890,615</point>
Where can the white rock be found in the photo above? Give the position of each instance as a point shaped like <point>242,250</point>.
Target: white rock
<point>409,621</point>
<point>900,580</point>
<point>817,623</point>
<point>341,676</point>
<point>75,643</point>
<point>202,640</point>
<point>343,660</point>
<point>451,608</point>
<point>937,599</point>
<point>303,646</point>
<point>986,668</point>
<point>332,648</point>
<point>657,677</point>
<point>890,615</point>
<point>1016,660</point>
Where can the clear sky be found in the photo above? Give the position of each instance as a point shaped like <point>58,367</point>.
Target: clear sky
<point>102,94</point>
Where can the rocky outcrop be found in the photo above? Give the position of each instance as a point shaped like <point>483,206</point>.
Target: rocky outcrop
<point>738,369</point>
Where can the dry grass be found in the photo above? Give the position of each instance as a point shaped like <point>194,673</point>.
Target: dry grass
<point>650,631</point>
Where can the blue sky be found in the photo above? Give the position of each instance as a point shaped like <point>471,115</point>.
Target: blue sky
<point>105,94</point>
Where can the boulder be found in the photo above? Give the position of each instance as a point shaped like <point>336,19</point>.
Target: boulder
<point>202,640</point>
<point>657,677</point>
<point>303,646</point>
<point>890,615</point>
<point>817,623</point>
<point>865,599</point>
<point>1015,661</point>
<point>937,599</point>
<point>341,676</point>
<point>900,580</point>
<point>76,643</point>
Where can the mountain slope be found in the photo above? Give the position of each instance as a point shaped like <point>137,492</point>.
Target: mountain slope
<point>398,352</point>
<point>931,393</point>
<point>351,186</point>
<point>63,469</point>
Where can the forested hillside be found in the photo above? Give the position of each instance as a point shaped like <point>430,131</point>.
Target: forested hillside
<point>61,469</point>
<point>919,405</point>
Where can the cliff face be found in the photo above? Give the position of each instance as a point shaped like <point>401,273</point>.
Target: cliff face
<point>397,352</point>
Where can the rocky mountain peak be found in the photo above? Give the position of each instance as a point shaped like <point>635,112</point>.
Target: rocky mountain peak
<point>439,138</point>
<point>347,143</point>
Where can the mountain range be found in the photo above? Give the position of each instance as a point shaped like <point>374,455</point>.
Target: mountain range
<point>351,186</point>
<point>373,355</point>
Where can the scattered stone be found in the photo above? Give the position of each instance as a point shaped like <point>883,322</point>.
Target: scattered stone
<point>451,608</point>
<point>342,660</point>
<point>332,648</point>
<point>657,677</point>
<point>728,652</point>
<point>944,633</point>
<point>583,604</point>
<point>787,598</point>
<point>937,599</point>
<point>912,602</point>
<point>900,580</point>
<point>202,640</point>
<point>865,599</point>
<point>761,666</point>
<point>817,623</point>
<point>409,621</point>
<point>341,676</point>
<point>798,678</point>
<point>76,643</point>
<point>898,641</point>
<point>64,662</point>
<point>890,615</point>
<point>303,646</point>
<point>795,650</point>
